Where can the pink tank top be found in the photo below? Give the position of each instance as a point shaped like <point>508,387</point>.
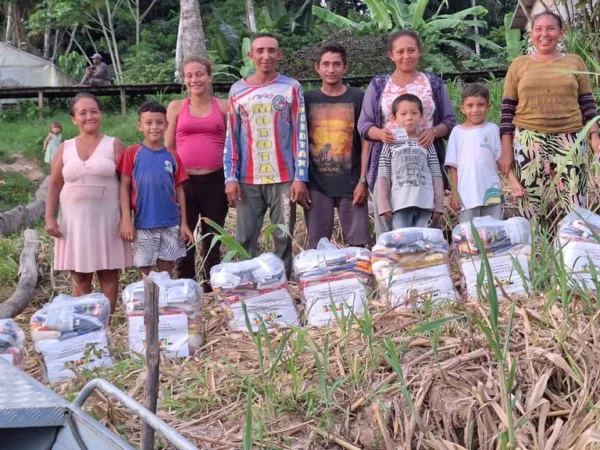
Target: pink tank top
<point>200,141</point>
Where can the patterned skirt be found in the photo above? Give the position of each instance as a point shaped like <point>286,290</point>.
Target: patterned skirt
<point>553,173</point>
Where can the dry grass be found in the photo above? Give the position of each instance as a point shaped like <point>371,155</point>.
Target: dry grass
<point>338,387</point>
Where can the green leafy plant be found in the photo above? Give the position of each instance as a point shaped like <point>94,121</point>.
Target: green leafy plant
<point>443,34</point>
<point>73,64</point>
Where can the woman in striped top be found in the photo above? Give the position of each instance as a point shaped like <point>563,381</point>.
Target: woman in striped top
<point>547,100</point>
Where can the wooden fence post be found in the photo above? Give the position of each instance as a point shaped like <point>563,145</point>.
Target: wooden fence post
<point>41,104</point>
<point>151,293</point>
<point>123,96</point>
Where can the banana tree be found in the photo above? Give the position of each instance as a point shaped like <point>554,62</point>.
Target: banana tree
<point>445,36</point>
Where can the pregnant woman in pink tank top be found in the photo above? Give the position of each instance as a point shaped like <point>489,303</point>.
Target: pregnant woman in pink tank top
<point>197,130</point>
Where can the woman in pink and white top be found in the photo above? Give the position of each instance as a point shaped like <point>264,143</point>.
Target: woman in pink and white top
<point>197,130</point>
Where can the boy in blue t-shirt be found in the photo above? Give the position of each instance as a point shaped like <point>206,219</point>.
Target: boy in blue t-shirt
<point>152,179</point>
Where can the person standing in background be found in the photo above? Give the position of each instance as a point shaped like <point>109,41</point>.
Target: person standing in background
<point>338,156</point>
<point>266,154</point>
<point>197,129</point>
<point>376,119</point>
<point>547,101</point>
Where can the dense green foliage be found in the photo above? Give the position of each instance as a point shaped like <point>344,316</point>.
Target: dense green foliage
<point>146,53</point>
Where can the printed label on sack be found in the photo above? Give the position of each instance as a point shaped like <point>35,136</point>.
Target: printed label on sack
<point>8,357</point>
<point>506,276</point>
<point>87,351</point>
<point>581,259</point>
<point>342,296</point>
<point>60,319</point>
<point>274,308</point>
<point>432,284</point>
<point>173,334</point>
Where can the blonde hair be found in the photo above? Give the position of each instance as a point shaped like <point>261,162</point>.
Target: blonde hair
<point>200,60</point>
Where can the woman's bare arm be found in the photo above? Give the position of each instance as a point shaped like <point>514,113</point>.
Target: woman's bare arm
<point>172,113</point>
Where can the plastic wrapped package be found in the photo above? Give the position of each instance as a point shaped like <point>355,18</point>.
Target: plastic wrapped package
<point>331,277</point>
<point>71,332</point>
<point>66,317</point>
<point>260,284</point>
<point>579,236</point>
<point>12,342</point>
<point>507,246</point>
<point>411,267</point>
<point>180,315</point>
<point>87,351</point>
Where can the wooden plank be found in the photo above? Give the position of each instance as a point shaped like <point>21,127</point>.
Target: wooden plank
<point>218,87</point>
<point>151,293</point>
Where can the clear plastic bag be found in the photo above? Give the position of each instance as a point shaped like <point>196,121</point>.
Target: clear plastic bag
<point>72,331</point>
<point>261,285</point>
<point>180,315</point>
<point>507,246</point>
<point>579,241</point>
<point>334,282</point>
<point>411,267</point>
<point>12,342</point>
<point>498,237</point>
<point>66,317</point>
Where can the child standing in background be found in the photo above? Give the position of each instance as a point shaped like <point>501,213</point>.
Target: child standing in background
<point>473,151</point>
<point>410,187</point>
<point>52,142</point>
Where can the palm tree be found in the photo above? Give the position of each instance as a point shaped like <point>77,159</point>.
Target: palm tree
<point>191,36</point>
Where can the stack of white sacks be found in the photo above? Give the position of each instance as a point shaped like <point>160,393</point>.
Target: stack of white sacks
<point>179,319</point>
<point>261,285</point>
<point>72,331</point>
<point>12,342</point>
<point>579,239</point>
<point>333,282</point>
<point>411,267</point>
<point>507,246</point>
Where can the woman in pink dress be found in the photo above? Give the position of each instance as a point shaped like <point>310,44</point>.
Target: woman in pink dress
<point>84,181</point>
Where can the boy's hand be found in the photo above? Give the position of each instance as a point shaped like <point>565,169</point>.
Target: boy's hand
<point>361,194</point>
<point>186,235</point>
<point>454,202</point>
<point>387,214</point>
<point>233,192</point>
<point>127,230</point>
<point>435,216</point>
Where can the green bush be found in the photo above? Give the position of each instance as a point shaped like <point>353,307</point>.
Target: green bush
<point>15,189</point>
<point>145,64</point>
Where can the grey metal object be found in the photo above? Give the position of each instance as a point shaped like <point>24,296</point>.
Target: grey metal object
<point>167,431</point>
<point>25,403</point>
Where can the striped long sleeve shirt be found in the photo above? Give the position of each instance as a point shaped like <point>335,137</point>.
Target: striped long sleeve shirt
<point>267,138</point>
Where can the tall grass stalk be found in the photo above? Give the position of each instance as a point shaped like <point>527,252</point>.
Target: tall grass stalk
<point>492,334</point>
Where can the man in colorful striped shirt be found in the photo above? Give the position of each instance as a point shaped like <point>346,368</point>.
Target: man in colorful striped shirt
<point>266,153</point>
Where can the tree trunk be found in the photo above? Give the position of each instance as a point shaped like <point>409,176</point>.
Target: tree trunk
<point>46,51</point>
<point>250,15</point>
<point>28,276</point>
<point>111,29</point>
<point>71,40</point>
<point>137,22</point>
<point>193,42</point>
<point>17,219</point>
<point>476,31</point>
<point>178,52</point>
<point>8,32</point>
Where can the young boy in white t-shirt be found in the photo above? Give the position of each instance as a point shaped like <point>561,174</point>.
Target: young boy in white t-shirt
<point>472,154</point>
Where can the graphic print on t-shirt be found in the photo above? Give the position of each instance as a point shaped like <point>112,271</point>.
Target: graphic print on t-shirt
<point>331,137</point>
<point>411,171</point>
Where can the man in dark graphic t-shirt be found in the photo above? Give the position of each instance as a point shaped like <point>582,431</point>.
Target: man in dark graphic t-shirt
<point>338,156</point>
